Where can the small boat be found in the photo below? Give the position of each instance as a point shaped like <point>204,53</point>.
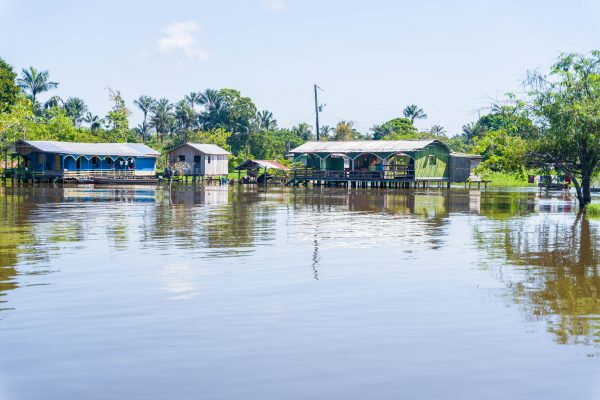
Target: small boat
<point>106,180</point>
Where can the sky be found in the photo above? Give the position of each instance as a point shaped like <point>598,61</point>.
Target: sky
<point>371,58</point>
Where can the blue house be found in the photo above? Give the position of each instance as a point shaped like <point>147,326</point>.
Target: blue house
<point>69,158</point>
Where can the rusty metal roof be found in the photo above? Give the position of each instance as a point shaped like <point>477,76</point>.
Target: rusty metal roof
<point>269,164</point>
<point>364,146</point>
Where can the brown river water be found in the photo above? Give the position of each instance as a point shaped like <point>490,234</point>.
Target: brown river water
<point>249,293</point>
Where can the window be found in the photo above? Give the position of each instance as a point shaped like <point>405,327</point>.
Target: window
<point>432,160</point>
<point>182,158</point>
<point>95,162</point>
<point>109,161</point>
<point>209,158</point>
<point>197,159</point>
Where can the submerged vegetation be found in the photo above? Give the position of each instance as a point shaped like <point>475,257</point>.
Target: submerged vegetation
<point>554,128</point>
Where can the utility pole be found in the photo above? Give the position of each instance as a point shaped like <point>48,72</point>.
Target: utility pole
<point>317,113</point>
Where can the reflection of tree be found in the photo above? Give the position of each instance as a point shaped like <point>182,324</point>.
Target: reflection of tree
<point>560,281</point>
<point>15,232</point>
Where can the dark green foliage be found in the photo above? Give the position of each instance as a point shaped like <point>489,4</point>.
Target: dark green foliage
<point>8,87</point>
<point>395,129</point>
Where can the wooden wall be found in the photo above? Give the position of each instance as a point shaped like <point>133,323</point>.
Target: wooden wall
<point>424,168</point>
<point>218,165</point>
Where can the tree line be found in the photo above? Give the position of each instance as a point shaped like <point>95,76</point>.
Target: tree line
<point>553,127</point>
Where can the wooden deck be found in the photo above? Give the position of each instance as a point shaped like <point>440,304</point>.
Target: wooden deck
<point>402,177</point>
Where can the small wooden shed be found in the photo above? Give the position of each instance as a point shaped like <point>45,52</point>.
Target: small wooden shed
<point>204,159</point>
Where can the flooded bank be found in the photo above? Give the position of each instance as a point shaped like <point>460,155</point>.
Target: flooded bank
<point>242,292</point>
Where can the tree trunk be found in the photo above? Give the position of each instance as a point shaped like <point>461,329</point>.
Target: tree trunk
<point>585,188</point>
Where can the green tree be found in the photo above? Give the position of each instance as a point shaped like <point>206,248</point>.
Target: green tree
<point>8,88</point>
<point>413,112</point>
<point>94,121</point>
<point>567,110</point>
<point>344,131</point>
<point>144,103</point>
<point>186,118</point>
<point>265,121</point>
<point>75,108</point>
<point>54,101</point>
<point>500,151</point>
<point>395,129</point>
<point>304,131</point>
<point>162,117</point>
<point>118,118</point>
<point>34,82</point>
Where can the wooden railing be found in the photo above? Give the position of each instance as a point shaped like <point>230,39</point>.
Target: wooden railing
<point>389,172</point>
<point>98,172</point>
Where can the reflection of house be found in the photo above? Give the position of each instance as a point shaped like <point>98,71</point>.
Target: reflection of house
<point>57,159</point>
<point>203,159</point>
<point>380,160</point>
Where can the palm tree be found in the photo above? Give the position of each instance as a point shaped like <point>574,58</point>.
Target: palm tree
<point>33,82</point>
<point>303,131</point>
<point>75,109</point>
<point>211,99</point>
<point>215,109</point>
<point>192,98</point>
<point>94,121</point>
<point>144,103</point>
<point>54,101</point>
<point>186,117</point>
<point>437,130</point>
<point>265,121</point>
<point>413,112</point>
<point>161,116</point>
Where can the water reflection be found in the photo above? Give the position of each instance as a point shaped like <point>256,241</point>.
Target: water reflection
<point>556,277</point>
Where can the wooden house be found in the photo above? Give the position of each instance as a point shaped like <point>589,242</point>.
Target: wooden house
<point>201,159</point>
<point>387,161</point>
<point>71,159</point>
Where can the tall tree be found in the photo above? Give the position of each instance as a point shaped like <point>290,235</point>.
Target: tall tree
<point>186,117</point>
<point>54,101</point>
<point>118,117</point>
<point>413,112</point>
<point>395,129</point>
<point>566,106</point>
<point>265,121</point>
<point>94,121</point>
<point>304,131</point>
<point>192,98</point>
<point>162,117</point>
<point>144,103</point>
<point>75,109</point>
<point>34,82</point>
<point>344,131</point>
<point>8,88</point>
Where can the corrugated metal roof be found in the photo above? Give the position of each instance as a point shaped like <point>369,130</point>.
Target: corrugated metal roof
<point>465,155</point>
<point>97,149</point>
<point>263,164</point>
<point>360,146</point>
<point>206,148</point>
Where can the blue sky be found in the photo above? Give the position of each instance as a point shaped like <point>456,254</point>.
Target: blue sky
<point>372,58</point>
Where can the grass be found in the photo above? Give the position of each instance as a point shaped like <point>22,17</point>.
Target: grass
<point>500,179</point>
<point>592,210</point>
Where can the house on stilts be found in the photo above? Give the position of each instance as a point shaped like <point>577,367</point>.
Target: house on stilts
<point>380,163</point>
<point>200,159</point>
<point>50,160</point>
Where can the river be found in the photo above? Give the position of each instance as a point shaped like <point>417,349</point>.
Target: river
<point>248,293</point>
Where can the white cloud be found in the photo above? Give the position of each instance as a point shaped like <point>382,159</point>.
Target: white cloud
<point>181,36</point>
<point>275,5</point>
